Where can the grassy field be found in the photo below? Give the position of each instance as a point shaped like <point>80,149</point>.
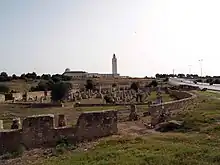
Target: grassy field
<point>198,143</point>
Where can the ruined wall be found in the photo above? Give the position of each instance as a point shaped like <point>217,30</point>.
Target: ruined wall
<point>10,140</point>
<point>39,131</point>
<point>96,124</point>
<point>17,96</point>
<point>37,94</point>
<point>179,94</point>
<point>185,100</point>
<point>2,98</point>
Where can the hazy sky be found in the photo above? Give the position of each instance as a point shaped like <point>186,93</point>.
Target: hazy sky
<point>47,36</point>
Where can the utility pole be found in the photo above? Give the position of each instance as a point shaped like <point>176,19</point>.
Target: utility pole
<point>200,62</point>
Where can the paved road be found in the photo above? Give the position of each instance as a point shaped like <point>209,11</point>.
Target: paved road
<point>179,81</point>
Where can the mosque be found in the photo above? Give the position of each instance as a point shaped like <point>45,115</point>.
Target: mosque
<point>84,74</point>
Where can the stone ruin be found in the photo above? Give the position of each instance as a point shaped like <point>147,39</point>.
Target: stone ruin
<point>40,131</point>
<point>161,113</point>
<point>133,116</point>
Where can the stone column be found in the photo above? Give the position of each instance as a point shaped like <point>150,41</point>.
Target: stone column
<point>1,124</point>
<point>100,89</point>
<point>133,114</point>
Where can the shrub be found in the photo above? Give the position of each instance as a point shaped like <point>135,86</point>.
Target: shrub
<point>62,146</point>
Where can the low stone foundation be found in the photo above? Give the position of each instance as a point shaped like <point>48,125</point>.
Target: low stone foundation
<point>39,131</point>
<point>185,99</point>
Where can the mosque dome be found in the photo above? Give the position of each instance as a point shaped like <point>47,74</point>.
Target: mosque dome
<point>67,70</point>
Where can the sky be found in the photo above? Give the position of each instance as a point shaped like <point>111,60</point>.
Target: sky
<point>147,36</point>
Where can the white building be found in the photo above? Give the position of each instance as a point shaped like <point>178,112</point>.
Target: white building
<point>83,74</point>
<point>75,74</point>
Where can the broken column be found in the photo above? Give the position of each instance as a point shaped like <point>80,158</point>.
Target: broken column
<point>16,123</point>
<point>61,120</point>
<point>133,114</point>
<point>1,124</point>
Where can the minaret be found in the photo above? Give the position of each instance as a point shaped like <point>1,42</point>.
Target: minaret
<point>114,65</point>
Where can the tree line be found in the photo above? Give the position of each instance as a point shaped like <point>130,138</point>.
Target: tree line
<point>33,76</point>
<point>181,75</point>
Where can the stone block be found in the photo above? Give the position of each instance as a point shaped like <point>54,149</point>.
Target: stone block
<point>92,125</point>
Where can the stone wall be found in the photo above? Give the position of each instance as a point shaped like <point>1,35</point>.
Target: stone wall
<point>96,124</point>
<point>37,94</point>
<point>39,105</point>
<point>179,94</point>
<point>185,99</point>
<point>39,131</point>
<point>19,96</point>
<point>2,98</point>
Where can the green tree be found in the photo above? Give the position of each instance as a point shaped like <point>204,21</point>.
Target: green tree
<point>14,77</point>
<point>4,74</point>
<point>60,90</point>
<point>32,75</point>
<point>135,86</point>
<point>43,85</point>
<point>4,89</point>
<point>90,85</point>
<point>4,77</point>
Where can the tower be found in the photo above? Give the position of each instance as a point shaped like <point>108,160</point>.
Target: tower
<point>114,65</point>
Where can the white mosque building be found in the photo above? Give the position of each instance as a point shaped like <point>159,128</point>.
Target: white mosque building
<point>83,74</point>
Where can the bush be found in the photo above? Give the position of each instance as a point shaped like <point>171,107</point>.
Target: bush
<point>4,89</point>
<point>60,91</point>
<point>62,146</point>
